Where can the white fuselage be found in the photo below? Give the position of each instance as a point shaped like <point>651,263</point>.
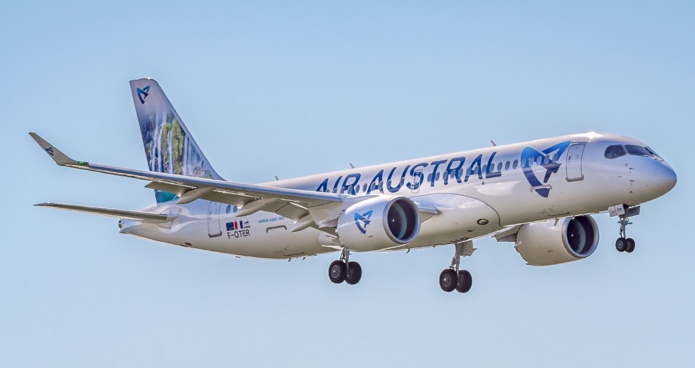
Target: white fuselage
<point>475,193</point>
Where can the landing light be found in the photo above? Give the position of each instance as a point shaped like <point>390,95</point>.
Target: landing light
<point>483,222</point>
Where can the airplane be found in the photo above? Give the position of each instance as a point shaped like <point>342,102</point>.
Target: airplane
<point>540,195</point>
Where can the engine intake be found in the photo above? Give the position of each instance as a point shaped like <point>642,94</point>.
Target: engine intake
<point>379,223</point>
<point>547,243</point>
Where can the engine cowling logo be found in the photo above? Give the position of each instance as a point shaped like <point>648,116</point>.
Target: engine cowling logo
<point>363,220</point>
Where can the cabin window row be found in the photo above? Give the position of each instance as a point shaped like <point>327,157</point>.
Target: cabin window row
<point>507,165</point>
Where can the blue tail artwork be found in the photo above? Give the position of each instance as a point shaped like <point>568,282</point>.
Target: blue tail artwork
<point>169,147</point>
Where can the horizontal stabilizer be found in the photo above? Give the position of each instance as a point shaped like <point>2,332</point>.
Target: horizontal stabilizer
<point>122,214</point>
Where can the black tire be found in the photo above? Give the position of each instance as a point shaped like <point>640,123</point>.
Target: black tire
<point>630,245</point>
<point>465,281</point>
<point>337,272</point>
<point>448,280</point>
<point>354,273</point>
<point>621,244</point>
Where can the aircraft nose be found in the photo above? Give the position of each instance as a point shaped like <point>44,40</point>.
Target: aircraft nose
<point>667,178</point>
<point>663,178</point>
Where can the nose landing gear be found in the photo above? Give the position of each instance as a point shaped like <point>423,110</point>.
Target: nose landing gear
<point>624,244</point>
<point>454,278</point>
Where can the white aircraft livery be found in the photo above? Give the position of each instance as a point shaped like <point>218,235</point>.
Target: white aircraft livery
<point>539,195</point>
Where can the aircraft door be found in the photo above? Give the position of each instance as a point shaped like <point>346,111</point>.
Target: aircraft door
<point>574,162</point>
<point>214,228</point>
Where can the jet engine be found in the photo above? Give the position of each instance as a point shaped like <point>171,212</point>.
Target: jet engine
<point>557,241</point>
<point>378,223</point>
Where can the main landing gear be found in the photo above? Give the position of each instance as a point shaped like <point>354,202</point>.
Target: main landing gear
<point>454,278</point>
<point>344,270</point>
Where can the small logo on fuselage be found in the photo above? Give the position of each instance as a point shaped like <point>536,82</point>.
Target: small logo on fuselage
<point>49,150</point>
<point>363,220</point>
<point>551,164</point>
<point>143,93</point>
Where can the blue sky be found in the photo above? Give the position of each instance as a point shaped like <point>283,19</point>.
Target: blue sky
<point>296,88</point>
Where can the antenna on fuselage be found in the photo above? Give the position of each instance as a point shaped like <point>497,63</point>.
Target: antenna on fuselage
<point>493,143</point>
<point>351,165</point>
<point>276,178</point>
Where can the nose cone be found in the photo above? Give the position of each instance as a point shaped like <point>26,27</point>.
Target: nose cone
<point>665,179</point>
<point>661,178</point>
<point>649,179</point>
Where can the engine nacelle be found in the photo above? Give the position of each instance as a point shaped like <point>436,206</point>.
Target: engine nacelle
<point>547,243</point>
<point>379,223</point>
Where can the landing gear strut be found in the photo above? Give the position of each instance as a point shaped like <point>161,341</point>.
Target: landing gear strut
<point>454,278</point>
<point>624,244</point>
<point>344,270</point>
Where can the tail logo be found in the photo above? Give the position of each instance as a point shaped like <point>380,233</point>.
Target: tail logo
<point>143,93</point>
<point>49,150</point>
<point>363,220</point>
<point>530,156</point>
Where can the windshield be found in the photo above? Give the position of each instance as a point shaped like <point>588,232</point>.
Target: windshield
<point>618,150</point>
<point>637,150</point>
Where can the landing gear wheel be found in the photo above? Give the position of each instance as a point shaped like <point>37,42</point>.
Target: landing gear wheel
<point>448,280</point>
<point>465,281</point>
<point>629,245</point>
<point>337,272</point>
<point>354,273</point>
<point>621,244</point>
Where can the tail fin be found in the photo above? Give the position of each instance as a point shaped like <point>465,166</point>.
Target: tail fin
<point>169,146</point>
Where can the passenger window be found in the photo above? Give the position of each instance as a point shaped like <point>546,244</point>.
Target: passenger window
<point>499,167</point>
<point>637,150</point>
<point>506,165</point>
<point>437,177</point>
<point>516,164</point>
<point>614,151</point>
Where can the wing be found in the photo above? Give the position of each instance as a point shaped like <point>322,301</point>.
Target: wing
<point>290,203</point>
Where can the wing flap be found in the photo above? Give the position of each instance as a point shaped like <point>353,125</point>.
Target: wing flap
<point>122,214</point>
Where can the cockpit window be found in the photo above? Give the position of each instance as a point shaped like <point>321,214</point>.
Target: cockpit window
<point>614,151</point>
<point>653,153</point>
<point>637,150</point>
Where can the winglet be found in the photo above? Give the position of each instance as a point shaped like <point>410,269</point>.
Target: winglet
<point>59,157</point>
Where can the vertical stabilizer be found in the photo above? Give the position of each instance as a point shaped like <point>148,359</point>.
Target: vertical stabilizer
<point>169,146</point>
